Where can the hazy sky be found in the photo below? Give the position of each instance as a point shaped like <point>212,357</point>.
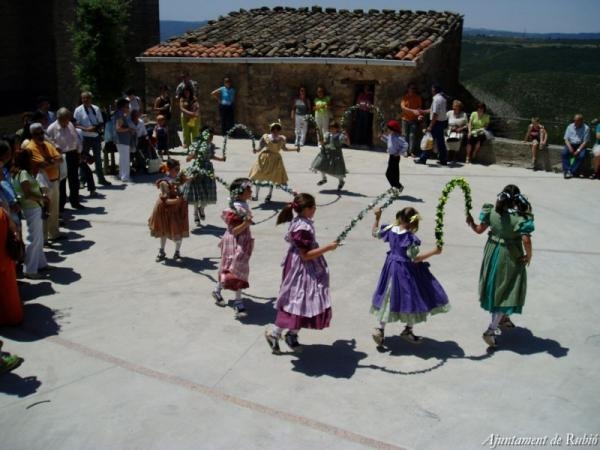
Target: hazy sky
<point>532,16</point>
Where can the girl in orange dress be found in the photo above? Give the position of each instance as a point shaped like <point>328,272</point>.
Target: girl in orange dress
<point>169,219</point>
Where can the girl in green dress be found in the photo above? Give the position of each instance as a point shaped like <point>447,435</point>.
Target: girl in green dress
<point>507,252</point>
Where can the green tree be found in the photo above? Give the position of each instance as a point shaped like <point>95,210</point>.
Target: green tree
<point>100,35</point>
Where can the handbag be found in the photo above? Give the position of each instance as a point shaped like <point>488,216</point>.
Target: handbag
<point>62,169</point>
<point>454,136</point>
<point>154,165</point>
<point>15,247</point>
<point>427,142</point>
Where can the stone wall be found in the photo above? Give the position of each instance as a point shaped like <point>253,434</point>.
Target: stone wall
<point>265,91</point>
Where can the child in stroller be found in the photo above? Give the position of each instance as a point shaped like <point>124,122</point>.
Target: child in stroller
<point>143,150</point>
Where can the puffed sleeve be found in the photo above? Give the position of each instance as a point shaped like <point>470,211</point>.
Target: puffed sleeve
<point>484,215</point>
<point>412,251</point>
<point>382,233</point>
<point>525,226</point>
<point>302,239</point>
<point>231,218</point>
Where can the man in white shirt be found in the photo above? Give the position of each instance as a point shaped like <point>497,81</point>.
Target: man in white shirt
<point>88,119</point>
<point>437,124</point>
<point>63,135</point>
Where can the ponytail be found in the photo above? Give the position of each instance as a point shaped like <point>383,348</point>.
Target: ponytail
<point>300,202</point>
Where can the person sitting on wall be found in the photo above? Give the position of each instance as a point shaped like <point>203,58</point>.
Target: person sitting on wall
<point>478,125</point>
<point>537,137</point>
<point>576,138</point>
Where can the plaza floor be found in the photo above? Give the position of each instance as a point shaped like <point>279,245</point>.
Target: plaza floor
<point>122,352</point>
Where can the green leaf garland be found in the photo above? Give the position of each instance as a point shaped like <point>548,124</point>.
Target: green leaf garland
<point>238,126</point>
<point>439,211</point>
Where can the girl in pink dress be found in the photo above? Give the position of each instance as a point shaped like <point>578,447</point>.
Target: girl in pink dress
<point>236,246</point>
<point>303,300</point>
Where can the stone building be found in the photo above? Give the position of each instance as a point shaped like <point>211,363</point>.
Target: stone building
<point>36,53</point>
<point>270,52</point>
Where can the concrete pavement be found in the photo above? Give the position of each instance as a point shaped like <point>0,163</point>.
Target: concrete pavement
<point>122,352</point>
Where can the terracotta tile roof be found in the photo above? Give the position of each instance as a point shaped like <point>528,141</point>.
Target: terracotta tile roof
<point>313,32</point>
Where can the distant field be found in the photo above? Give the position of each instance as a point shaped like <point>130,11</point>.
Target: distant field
<point>523,78</point>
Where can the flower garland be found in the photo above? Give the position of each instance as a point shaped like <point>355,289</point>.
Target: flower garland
<point>347,116</point>
<point>238,126</point>
<point>439,212</point>
<point>392,194</point>
<point>199,148</point>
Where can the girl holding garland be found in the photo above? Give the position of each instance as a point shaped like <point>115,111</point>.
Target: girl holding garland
<point>406,291</point>
<point>201,189</point>
<point>269,165</point>
<point>303,300</point>
<point>507,253</point>
<point>330,160</point>
<point>236,246</point>
<point>169,219</point>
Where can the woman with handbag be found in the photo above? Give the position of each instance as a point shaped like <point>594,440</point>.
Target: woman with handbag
<point>455,133</point>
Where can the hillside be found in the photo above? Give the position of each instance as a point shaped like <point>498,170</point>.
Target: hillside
<point>523,78</point>
<point>172,28</point>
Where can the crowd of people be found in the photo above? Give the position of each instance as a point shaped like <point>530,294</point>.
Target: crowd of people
<point>46,164</point>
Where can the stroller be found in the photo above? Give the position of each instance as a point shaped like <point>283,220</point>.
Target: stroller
<point>145,158</point>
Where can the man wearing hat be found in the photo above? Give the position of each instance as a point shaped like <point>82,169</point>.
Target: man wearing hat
<point>47,158</point>
<point>437,124</point>
<point>396,146</point>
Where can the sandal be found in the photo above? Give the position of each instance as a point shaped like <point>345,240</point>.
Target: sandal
<point>490,338</point>
<point>9,362</point>
<point>408,335</point>
<point>505,322</point>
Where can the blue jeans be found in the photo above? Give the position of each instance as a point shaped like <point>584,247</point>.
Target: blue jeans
<point>437,132</point>
<point>566,159</point>
<point>409,130</point>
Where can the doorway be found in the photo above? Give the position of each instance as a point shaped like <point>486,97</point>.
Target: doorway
<point>361,133</point>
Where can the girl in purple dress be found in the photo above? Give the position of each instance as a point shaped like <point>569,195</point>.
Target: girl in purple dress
<point>407,291</point>
<point>303,300</point>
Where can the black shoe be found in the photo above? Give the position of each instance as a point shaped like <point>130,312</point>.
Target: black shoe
<point>201,214</point>
<point>419,161</point>
<point>291,339</point>
<point>177,256</point>
<point>93,194</point>
<point>267,199</point>
<point>219,300</point>
<point>240,310</point>
<point>321,182</point>
<point>161,256</point>
<point>341,185</point>
<point>78,206</point>
<point>105,183</point>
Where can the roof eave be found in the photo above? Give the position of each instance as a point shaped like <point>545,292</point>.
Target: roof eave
<point>276,59</point>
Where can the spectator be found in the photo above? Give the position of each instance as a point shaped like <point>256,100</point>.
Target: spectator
<point>185,81</point>
<point>11,310</point>
<point>301,107</point>
<point>7,191</point>
<point>63,135</point>
<point>47,159</point>
<point>363,134</point>
<point>410,104</point>
<point>322,106</point>
<point>478,124</point>
<point>135,103</point>
<point>455,133</point>
<point>190,115</point>
<point>88,118</point>
<point>596,152</point>
<point>160,136</point>
<point>577,136</point>
<point>124,136</point>
<point>225,95</point>
<point>43,106</point>
<point>32,203</point>
<point>140,143</point>
<point>437,124</point>
<point>537,137</point>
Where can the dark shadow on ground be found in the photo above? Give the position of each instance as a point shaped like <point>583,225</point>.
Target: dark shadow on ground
<point>209,229</point>
<point>198,266</point>
<point>91,210</point>
<point>13,384</point>
<point>259,312</point>
<point>69,247</point>
<point>30,291</point>
<point>410,198</point>
<point>52,255</point>
<point>522,341</point>
<point>148,178</point>
<point>343,192</point>
<point>112,187</point>
<point>39,323</point>
<point>270,206</point>
<point>63,275</point>
<point>338,360</point>
<point>77,224</point>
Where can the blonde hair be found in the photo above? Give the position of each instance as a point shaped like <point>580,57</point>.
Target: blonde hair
<point>457,103</point>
